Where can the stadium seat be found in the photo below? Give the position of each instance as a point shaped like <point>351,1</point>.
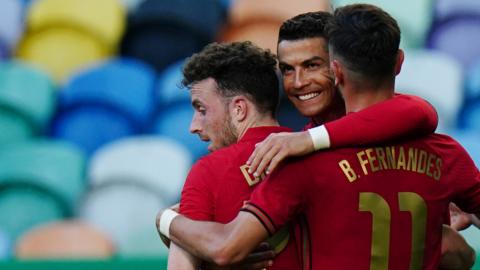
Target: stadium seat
<point>251,11</point>
<point>65,36</point>
<point>162,32</point>
<point>56,167</point>
<point>11,25</point>
<point>104,20</point>
<point>263,34</point>
<point>25,206</point>
<point>169,85</point>
<point>470,116</point>
<point>28,92</point>
<point>112,100</point>
<point>259,21</point>
<point>469,140</point>
<point>64,240</point>
<point>126,212</point>
<point>14,127</point>
<point>4,246</point>
<point>436,77</point>
<point>125,85</point>
<point>90,127</point>
<point>459,36</point>
<point>173,121</point>
<point>448,8</point>
<point>472,81</point>
<point>154,161</point>
<point>414,18</point>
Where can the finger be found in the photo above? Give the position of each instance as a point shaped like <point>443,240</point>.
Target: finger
<point>260,151</point>
<point>265,160</point>
<point>279,157</point>
<point>253,154</point>
<point>260,256</point>
<point>264,246</point>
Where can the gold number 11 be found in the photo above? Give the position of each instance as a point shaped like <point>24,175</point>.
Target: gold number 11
<point>380,210</point>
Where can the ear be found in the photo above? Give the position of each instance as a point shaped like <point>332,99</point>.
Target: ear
<point>399,61</point>
<point>337,70</point>
<point>239,108</point>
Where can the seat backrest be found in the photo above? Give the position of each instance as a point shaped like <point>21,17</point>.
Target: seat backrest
<point>64,240</point>
<point>158,162</point>
<point>448,8</point>
<point>126,213</point>
<point>169,84</point>
<point>414,18</point>
<point>436,77</point>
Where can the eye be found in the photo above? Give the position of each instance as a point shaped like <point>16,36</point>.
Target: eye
<point>313,65</point>
<point>286,70</point>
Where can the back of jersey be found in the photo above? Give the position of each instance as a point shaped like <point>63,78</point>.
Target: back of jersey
<point>383,207</point>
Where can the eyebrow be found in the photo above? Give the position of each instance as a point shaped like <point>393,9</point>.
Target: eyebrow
<point>314,58</point>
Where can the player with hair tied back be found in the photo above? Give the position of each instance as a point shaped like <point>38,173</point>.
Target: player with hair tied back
<point>393,198</point>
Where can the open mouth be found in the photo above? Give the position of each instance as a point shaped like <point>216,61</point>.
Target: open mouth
<point>308,96</point>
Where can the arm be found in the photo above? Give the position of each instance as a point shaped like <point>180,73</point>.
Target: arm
<point>394,118</point>
<point>222,244</point>
<point>456,253</point>
<point>179,259</point>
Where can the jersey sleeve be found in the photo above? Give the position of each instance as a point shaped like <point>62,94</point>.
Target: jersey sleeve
<point>197,195</point>
<point>395,118</point>
<point>279,197</point>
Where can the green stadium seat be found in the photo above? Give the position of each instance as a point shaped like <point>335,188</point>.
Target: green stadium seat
<point>56,167</point>
<point>14,127</point>
<point>414,18</point>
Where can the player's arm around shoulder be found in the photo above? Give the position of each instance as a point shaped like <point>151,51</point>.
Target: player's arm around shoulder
<point>223,244</point>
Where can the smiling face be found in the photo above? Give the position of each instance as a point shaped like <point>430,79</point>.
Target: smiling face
<point>211,119</point>
<point>307,79</point>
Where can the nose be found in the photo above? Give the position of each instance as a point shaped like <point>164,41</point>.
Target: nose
<point>195,126</point>
<point>300,79</point>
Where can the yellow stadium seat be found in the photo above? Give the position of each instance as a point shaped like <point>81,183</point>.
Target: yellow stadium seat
<point>61,51</point>
<point>64,240</point>
<point>104,19</point>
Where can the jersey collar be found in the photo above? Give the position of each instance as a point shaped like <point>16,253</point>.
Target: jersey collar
<point>260,133</point>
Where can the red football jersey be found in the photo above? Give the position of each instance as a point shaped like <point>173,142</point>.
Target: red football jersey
<point>372,208</point>
<point>218,185</point>
<point>368,125</point>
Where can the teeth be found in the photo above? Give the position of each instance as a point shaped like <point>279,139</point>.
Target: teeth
<point>308,96</point>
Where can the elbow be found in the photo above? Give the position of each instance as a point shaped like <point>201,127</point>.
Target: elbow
<point>224,255</point>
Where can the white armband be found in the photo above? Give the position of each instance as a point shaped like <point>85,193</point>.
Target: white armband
<point>320,137</point>
<point>165,220</point>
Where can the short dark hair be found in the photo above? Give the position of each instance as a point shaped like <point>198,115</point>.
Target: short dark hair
<point>306,25</point>
<point>366,38</point>
<point>237,68</point>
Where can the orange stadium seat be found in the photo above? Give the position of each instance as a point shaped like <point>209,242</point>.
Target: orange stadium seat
<point>62,240</point>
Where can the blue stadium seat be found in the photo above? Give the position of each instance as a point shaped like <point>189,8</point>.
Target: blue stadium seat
<point>169,85</point>
<point>126,85</point>
<point>437,77</point>
<point>469,140</point>
<point>11,25</point>
<point>160,163</point>
<point>110,101</point>
<point>90,127</point>
<point>154,35</point>
<point>27,101</point>
<point>448,8</point>
<point>458,36</point>
<point>4,246</point>
<point>472,82</point>
<point>173,121</point>
<point>470,116</point>
<point>414,18</point>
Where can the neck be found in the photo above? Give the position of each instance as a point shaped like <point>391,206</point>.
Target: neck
<point>357,99</point>
<point>255,121</point>
<point>335,110</point>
